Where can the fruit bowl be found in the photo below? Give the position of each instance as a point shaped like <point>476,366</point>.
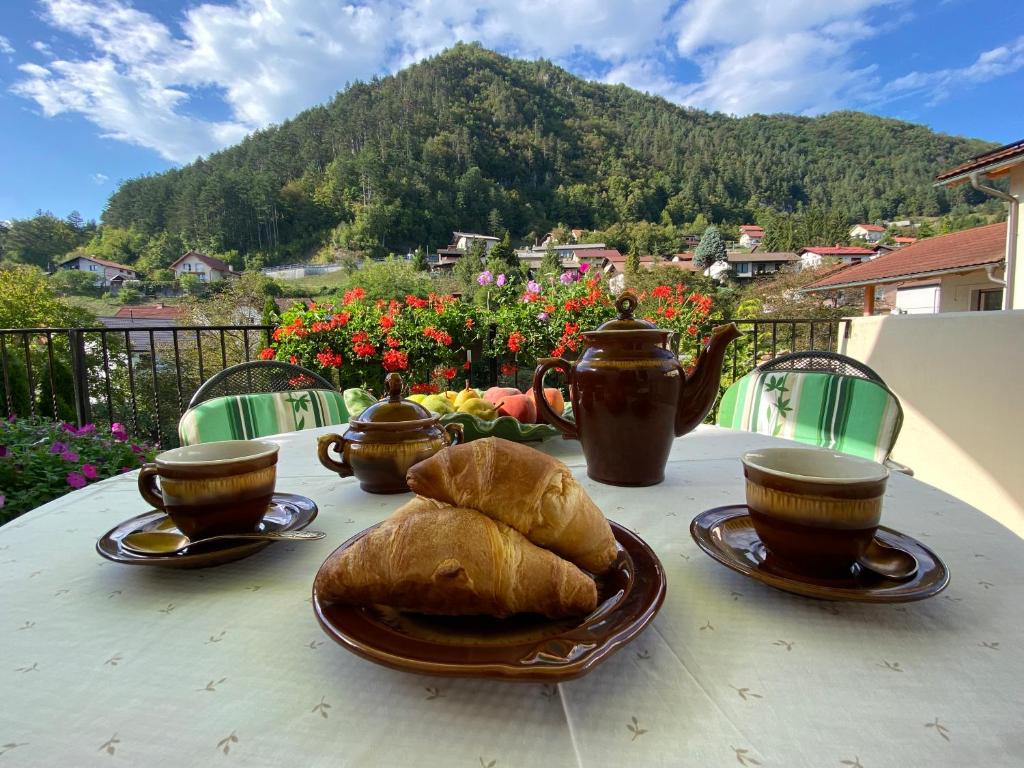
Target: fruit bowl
<point>474,428</point>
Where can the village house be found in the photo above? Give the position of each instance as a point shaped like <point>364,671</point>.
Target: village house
<point>872,233</point>
<point>958,272</point>
<point>207,268</point>
<point>740,264</point>
<point>751,235</point>
<point>595,255</point>
<point>461,242</point>
<point>108,273</point>
<point>814,255</point>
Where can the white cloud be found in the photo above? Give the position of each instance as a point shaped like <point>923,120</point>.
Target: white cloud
<point>268,59</point>
<point>938,85</point>
<point>5,45</point>
<point>100,178</point>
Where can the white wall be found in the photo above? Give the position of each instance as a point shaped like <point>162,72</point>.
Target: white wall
<point>920,300</point>
<point>958,376</point>
<point>959,290</point>
<point>1017,190</point>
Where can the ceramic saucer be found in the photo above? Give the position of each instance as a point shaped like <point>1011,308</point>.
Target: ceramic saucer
<point>287,512</point>
<point>524,647</point>
<point>727,534</point>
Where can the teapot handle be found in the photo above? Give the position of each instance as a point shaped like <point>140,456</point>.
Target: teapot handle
<point>343,468</point>
<point>544,409</point>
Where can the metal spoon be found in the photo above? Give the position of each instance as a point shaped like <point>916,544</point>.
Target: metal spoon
<point>172,542</point>
<point>888,561</point>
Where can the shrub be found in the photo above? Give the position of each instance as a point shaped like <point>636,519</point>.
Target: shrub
<point>41,460</point>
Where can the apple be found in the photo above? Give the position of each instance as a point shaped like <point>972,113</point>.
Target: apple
<point>494,394</point>
<point>554,398</point>
<point>519,407</point>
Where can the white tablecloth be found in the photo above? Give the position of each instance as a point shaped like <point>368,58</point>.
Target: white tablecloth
<point>106,664</point>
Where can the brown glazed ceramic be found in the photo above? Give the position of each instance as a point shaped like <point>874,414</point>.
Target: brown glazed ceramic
<point>212,488</point>
<point>814,509</point>
<point>630,396</point>
<point>286,512</point>
<point>523,647</point>
<point>728,535</point>
<point>385,440</point>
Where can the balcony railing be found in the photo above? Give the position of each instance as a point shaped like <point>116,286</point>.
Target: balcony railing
<point>144,376</point>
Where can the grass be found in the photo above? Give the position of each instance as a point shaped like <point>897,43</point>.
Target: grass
<point>314,284</point>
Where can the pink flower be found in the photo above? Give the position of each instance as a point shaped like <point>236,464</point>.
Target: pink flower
<point>86,429</point>
<point>3,500</point>
<point>584,267</point>
<point>118,431</point>
<point>58,447</point>
<point>89,471</point>
<point>76,480</point>
<point>500,281</point>
<point>69,455</point>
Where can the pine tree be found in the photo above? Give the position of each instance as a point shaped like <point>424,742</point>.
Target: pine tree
<point>710,249</point>
<point>551,264</point>
<point>505,253</point>
<point>633,262</point>
<point>419,260</point>
<point>495,224</point>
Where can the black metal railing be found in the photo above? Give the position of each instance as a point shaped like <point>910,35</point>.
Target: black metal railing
<point>144,376</point>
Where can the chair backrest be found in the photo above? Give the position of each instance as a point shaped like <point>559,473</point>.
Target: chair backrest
<point>853,415</point>
<point>258,376</point>
<point>824,362</point>
<point>244,417</point>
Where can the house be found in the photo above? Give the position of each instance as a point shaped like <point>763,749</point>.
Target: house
<point>596,255</point>
<point>461,242</point>
<point>740,264</point>
<point>145,317</point>
<point>206,268</point>
<point>108,273</point>
<point>902,241</point>
<point>751,235</point>
<point>958,272</point>
<point>1006,162</point>
<point>574,237</point>
<point>870,232</point>
<point>812,256</point>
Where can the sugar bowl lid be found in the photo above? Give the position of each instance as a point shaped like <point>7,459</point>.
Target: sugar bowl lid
<point>626,305</point>
<point>393,408</point>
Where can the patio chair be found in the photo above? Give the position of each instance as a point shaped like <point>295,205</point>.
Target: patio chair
<point>821,399</point>
<point>260,398</point>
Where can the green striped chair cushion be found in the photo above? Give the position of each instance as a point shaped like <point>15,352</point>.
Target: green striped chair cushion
<point>242,417</point>
<point>843,413</point>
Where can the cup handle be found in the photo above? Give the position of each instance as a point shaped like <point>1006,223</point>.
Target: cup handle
<point>456,433</point>
<point>338,443</point>
<point>544,409</point>
<point>147,485</point>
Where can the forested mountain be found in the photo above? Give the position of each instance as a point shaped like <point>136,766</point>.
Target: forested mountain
<point>473,140</point>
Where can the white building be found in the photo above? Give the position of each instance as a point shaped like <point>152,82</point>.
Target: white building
<point>872,233</point>
<point>751,235</point>
<point>206,268</point>
<point>812,256</point>
<point>108,273</point>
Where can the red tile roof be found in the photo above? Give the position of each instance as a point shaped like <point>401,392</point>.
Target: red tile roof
<point>617,258</point>
<point>870,227</point>
<point>957,251</point>
<point>905,240</point>
<point>1004,155</point>
<point>210,261</point>
<point>837,250</point>
<point>151,312</point>
<point>751,229</point>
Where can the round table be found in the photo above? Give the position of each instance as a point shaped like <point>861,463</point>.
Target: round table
<point>119,665</point>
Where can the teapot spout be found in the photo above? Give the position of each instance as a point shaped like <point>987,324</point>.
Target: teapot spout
<point>698,393</point>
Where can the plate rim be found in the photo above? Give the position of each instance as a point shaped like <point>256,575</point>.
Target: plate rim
<point>507,671</point>
<point>805,589</point>
<point>235,552</point>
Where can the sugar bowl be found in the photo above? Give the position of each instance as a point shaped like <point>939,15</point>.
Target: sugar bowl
<point>386,439</point>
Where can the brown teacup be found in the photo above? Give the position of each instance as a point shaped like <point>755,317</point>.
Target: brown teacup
<point>814,510</point>
<point>213,488</point>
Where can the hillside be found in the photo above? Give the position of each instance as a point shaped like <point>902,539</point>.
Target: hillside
<point>473,140</point>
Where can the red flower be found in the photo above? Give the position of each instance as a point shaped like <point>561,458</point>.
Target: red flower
<point>415,303</point>
<point>364,349</point>
<point>395,361</point>
<point>449,373</point>
<point>469,322</point>
<point>423,389</point>
<point>670,313</point>
<point>293,360</point>
<point>508,369</point>
<point>466,366</point>
<point>661,292</point>
<point>515,341</point>
<point>267,354</point>
<point>392,342</point>
<point>329,359</point>
<point>692,330</point>
<point>340,319</point>
<point>386,323</point>
<point>360,336</point>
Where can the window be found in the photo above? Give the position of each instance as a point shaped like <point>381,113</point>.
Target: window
<point>188,267</point>
<point>742,267</point>
<point>988,300</point>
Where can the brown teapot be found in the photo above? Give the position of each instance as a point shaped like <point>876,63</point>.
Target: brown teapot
<point>630,396</point>
<point>385,440</point>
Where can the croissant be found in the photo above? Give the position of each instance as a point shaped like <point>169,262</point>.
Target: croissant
<point>525,489</point>
<point>433,558</point>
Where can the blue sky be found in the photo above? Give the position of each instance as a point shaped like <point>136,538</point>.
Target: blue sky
<point>95,91</point>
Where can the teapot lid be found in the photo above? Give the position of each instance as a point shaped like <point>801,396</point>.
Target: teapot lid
<point>393,408</point>
<point>626,304</point>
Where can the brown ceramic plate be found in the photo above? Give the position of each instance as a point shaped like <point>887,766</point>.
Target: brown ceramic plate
<point>287,512</point>
<point>727,534</point>
<point>524,647</point>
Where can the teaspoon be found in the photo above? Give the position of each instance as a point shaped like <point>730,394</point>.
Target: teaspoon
<point>170,542</point>
<point>888,561</point>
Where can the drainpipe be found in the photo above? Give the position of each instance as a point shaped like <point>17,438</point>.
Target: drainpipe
<point>1011,236</point>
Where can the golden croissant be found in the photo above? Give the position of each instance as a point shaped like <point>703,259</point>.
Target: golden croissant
<point>525,489</point>
<point>434,558</point>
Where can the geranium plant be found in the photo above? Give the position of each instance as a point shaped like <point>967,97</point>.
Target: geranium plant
<point>41,460</point>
